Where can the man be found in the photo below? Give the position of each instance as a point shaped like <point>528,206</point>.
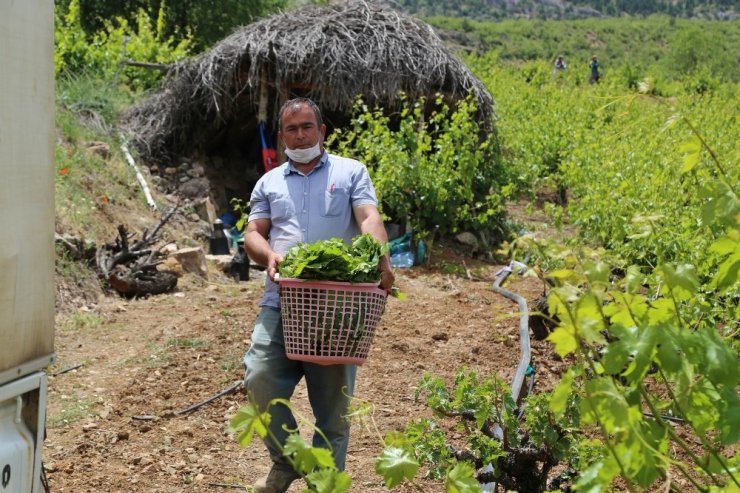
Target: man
<point>559,64</point>
<point>595,75</point>
<point>314,196</point>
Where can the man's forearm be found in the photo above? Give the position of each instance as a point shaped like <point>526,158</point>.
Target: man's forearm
<point>257,247</point>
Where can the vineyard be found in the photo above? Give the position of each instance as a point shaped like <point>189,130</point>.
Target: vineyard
<point>621,201</point>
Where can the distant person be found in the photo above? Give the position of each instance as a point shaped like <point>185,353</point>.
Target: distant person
<point>595,74</point>
<point>559,65</point>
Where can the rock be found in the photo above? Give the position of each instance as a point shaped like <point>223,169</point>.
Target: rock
<point>441,336</point>
<point>196,171</point>
<point>468,239</point>
<point>205,210</point>
<point>173,265</point>
<point>168,249</point>
<point>223,262</point>
<point>170,171</point>
<point>89,427</point>
<point>192,260</point>
<point>195,188</point>
<point>99,149</point>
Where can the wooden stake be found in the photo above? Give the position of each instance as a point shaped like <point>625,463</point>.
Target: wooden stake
<point>139,177</point>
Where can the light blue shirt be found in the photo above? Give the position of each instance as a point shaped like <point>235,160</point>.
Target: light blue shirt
<point>308,208</point>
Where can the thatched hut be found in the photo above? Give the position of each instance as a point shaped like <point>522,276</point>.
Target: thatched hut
<point>211,104</point>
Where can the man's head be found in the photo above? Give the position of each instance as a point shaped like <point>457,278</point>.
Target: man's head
<point>294,105</point>
<point>302,131</point>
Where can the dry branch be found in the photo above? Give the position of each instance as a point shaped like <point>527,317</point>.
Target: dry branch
<point>132,269</point>
<point>152,66</point>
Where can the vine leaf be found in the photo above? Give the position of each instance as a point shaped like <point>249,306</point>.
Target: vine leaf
<point>559,397</point>
<point>306,458</point>
<point>460,479</point>
<point>691,151</point>
<point>248,421</point>
<point>329,481</point>
<point>395,464</point>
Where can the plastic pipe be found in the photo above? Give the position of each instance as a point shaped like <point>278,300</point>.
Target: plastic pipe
<point>524,347</point>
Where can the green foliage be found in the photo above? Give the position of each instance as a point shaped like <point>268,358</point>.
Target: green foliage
<point>334,260</point>
<point>437,171</point>
<point>659,356</point>
<point>485,9</point>
<point>395,465</point>
<point>522,453</point>
<point>316,465</point>
<point>666,46</point>
<point>204,23</point>
<point>102,52</point>
<point>622,165</point>
<point>662,352</point>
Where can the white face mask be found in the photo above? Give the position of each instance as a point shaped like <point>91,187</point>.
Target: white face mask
<point>303,156</point>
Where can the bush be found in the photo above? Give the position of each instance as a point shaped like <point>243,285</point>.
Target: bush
<point>101,54</point>
<point>440,171</point>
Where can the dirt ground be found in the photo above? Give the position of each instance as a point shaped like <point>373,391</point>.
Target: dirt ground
<point>114,423</point>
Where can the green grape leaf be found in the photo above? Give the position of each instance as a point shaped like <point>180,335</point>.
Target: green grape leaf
<point>564,339</point>
<point>559,396</point>
<point>247,421</point>
<point>461,479</point>
<point>681,280</point>
<point>306,458</point>
<point>395,464</point>
<point>691,151</point>
<point>328,481</point>
<point>644,350</point>
<point>728,273</point>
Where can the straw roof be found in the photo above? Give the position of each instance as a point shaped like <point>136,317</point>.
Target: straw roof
<point>331,54</point>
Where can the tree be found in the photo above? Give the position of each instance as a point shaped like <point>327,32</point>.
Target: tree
<point>206,20</point>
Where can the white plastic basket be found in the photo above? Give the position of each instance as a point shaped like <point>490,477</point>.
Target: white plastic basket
<point>329,322</point>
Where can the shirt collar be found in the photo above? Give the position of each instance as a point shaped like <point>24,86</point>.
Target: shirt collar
<point>291,169</point>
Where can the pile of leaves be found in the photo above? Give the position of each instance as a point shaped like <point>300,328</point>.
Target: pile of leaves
<point>335,260</point>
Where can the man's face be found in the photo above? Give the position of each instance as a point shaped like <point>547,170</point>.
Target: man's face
<point>300,129</point>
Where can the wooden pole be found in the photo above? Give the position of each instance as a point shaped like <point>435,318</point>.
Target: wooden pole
<point>283,92</point>
<point>262,108</point>
<point>139,177</point>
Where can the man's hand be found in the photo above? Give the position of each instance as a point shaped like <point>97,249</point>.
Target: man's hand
<point>386,273</point>
<point>273,261</point>
<point>387,279</point>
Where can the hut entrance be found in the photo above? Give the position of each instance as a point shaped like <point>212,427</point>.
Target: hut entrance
<point>232,159</point>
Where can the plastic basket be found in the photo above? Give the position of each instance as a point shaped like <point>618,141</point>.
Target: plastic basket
<point>329,322</point>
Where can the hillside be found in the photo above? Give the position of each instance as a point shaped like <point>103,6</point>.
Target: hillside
<point>565,9</point>
<point>669,46</point>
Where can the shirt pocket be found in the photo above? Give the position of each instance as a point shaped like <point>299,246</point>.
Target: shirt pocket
<point>336,202</point>
<point>280,208</point>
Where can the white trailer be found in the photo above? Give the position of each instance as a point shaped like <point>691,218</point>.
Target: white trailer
<point>26,236</point>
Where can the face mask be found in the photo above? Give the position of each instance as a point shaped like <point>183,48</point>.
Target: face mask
<point>303,156</point>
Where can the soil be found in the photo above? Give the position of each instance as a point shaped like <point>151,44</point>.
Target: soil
<point>115,422</point>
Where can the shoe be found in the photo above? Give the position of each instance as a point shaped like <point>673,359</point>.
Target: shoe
<point>279,479</point>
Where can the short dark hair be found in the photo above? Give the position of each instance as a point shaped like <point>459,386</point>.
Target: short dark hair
<point>296,103</point>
